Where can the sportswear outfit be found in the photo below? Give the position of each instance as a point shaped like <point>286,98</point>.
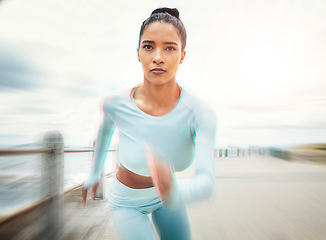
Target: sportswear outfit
<point>181,137</point>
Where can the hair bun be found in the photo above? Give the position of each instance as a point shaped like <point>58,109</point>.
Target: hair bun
<point>172,11</point>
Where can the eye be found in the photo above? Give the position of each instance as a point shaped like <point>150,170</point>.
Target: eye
<point>170,48</point>
<point>148,47</point>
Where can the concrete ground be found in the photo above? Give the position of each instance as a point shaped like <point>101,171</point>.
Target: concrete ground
<point>256,198</point>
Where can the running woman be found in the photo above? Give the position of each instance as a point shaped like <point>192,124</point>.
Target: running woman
<point>162,129</point>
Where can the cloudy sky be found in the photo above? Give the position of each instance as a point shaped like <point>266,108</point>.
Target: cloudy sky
<point>260,64</point>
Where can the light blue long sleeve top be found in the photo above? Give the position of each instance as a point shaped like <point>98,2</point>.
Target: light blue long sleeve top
<point>184,135</point>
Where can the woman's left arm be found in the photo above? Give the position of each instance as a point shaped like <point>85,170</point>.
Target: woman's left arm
<point>201,185</point>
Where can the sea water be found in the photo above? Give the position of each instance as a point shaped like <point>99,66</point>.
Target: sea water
<point>20,177</point>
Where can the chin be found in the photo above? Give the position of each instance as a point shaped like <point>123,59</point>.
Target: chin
<point>158,82</point>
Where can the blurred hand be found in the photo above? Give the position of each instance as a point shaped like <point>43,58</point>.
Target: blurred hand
<point>85,191</point>
<point>161,175</point>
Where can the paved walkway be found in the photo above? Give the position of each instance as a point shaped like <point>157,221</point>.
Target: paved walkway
<point>256,198</point>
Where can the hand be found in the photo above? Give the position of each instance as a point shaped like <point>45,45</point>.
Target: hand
<point>161,175</point>
<point>85,190</point>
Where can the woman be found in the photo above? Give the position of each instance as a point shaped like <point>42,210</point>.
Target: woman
<point>162,129</point>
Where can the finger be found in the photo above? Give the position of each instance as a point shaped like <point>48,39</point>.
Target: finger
<point>94,190</point>
<point>165,182</point>
<point>84,194</point>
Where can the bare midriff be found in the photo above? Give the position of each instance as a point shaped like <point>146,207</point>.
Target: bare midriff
<point>133,180</point>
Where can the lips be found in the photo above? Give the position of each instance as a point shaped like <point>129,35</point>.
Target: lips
<point>158,70</point>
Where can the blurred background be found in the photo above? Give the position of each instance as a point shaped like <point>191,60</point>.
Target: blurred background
<point>260,64</point>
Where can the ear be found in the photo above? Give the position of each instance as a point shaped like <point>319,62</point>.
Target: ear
<point>183,54</point>
<point>138,54</point>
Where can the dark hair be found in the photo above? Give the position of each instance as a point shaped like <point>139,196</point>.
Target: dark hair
<point>169,15</point>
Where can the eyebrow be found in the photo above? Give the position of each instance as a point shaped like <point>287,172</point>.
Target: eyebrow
<point>152,42</point>
<point>171,43</point>
<point>148,41</point>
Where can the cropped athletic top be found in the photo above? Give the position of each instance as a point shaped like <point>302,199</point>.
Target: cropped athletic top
<point>185,134</point>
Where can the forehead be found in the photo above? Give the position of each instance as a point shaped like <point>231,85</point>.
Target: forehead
<point>161,31</point>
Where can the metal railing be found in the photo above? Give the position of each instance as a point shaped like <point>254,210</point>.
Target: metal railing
<point>14,151</point>
<point>52,180</point>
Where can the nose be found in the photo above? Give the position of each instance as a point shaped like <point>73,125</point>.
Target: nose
<point>158,58</point>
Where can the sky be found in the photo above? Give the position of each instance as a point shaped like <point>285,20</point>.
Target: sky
<point>261,65</point>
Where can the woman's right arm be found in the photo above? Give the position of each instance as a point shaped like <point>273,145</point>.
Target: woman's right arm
<point>103,139</point>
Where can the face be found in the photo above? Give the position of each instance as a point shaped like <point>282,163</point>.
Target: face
<point>160,53</point>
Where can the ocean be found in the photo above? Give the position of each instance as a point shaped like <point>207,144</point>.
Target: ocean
<point>20,177</point>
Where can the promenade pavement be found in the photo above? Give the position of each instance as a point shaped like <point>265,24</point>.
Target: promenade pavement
<point>256,198</point>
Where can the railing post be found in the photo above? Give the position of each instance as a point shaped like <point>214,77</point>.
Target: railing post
<point>52,185</point>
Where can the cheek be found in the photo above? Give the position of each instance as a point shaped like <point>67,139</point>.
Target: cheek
<point>143,56</point>
<point>144,61</point>
<point>175,62</point>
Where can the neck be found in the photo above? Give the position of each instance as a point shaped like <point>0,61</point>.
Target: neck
<point>157,100</point>
<point>160,95</point>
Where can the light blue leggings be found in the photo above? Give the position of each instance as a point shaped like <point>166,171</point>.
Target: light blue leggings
<point>130,208</point>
